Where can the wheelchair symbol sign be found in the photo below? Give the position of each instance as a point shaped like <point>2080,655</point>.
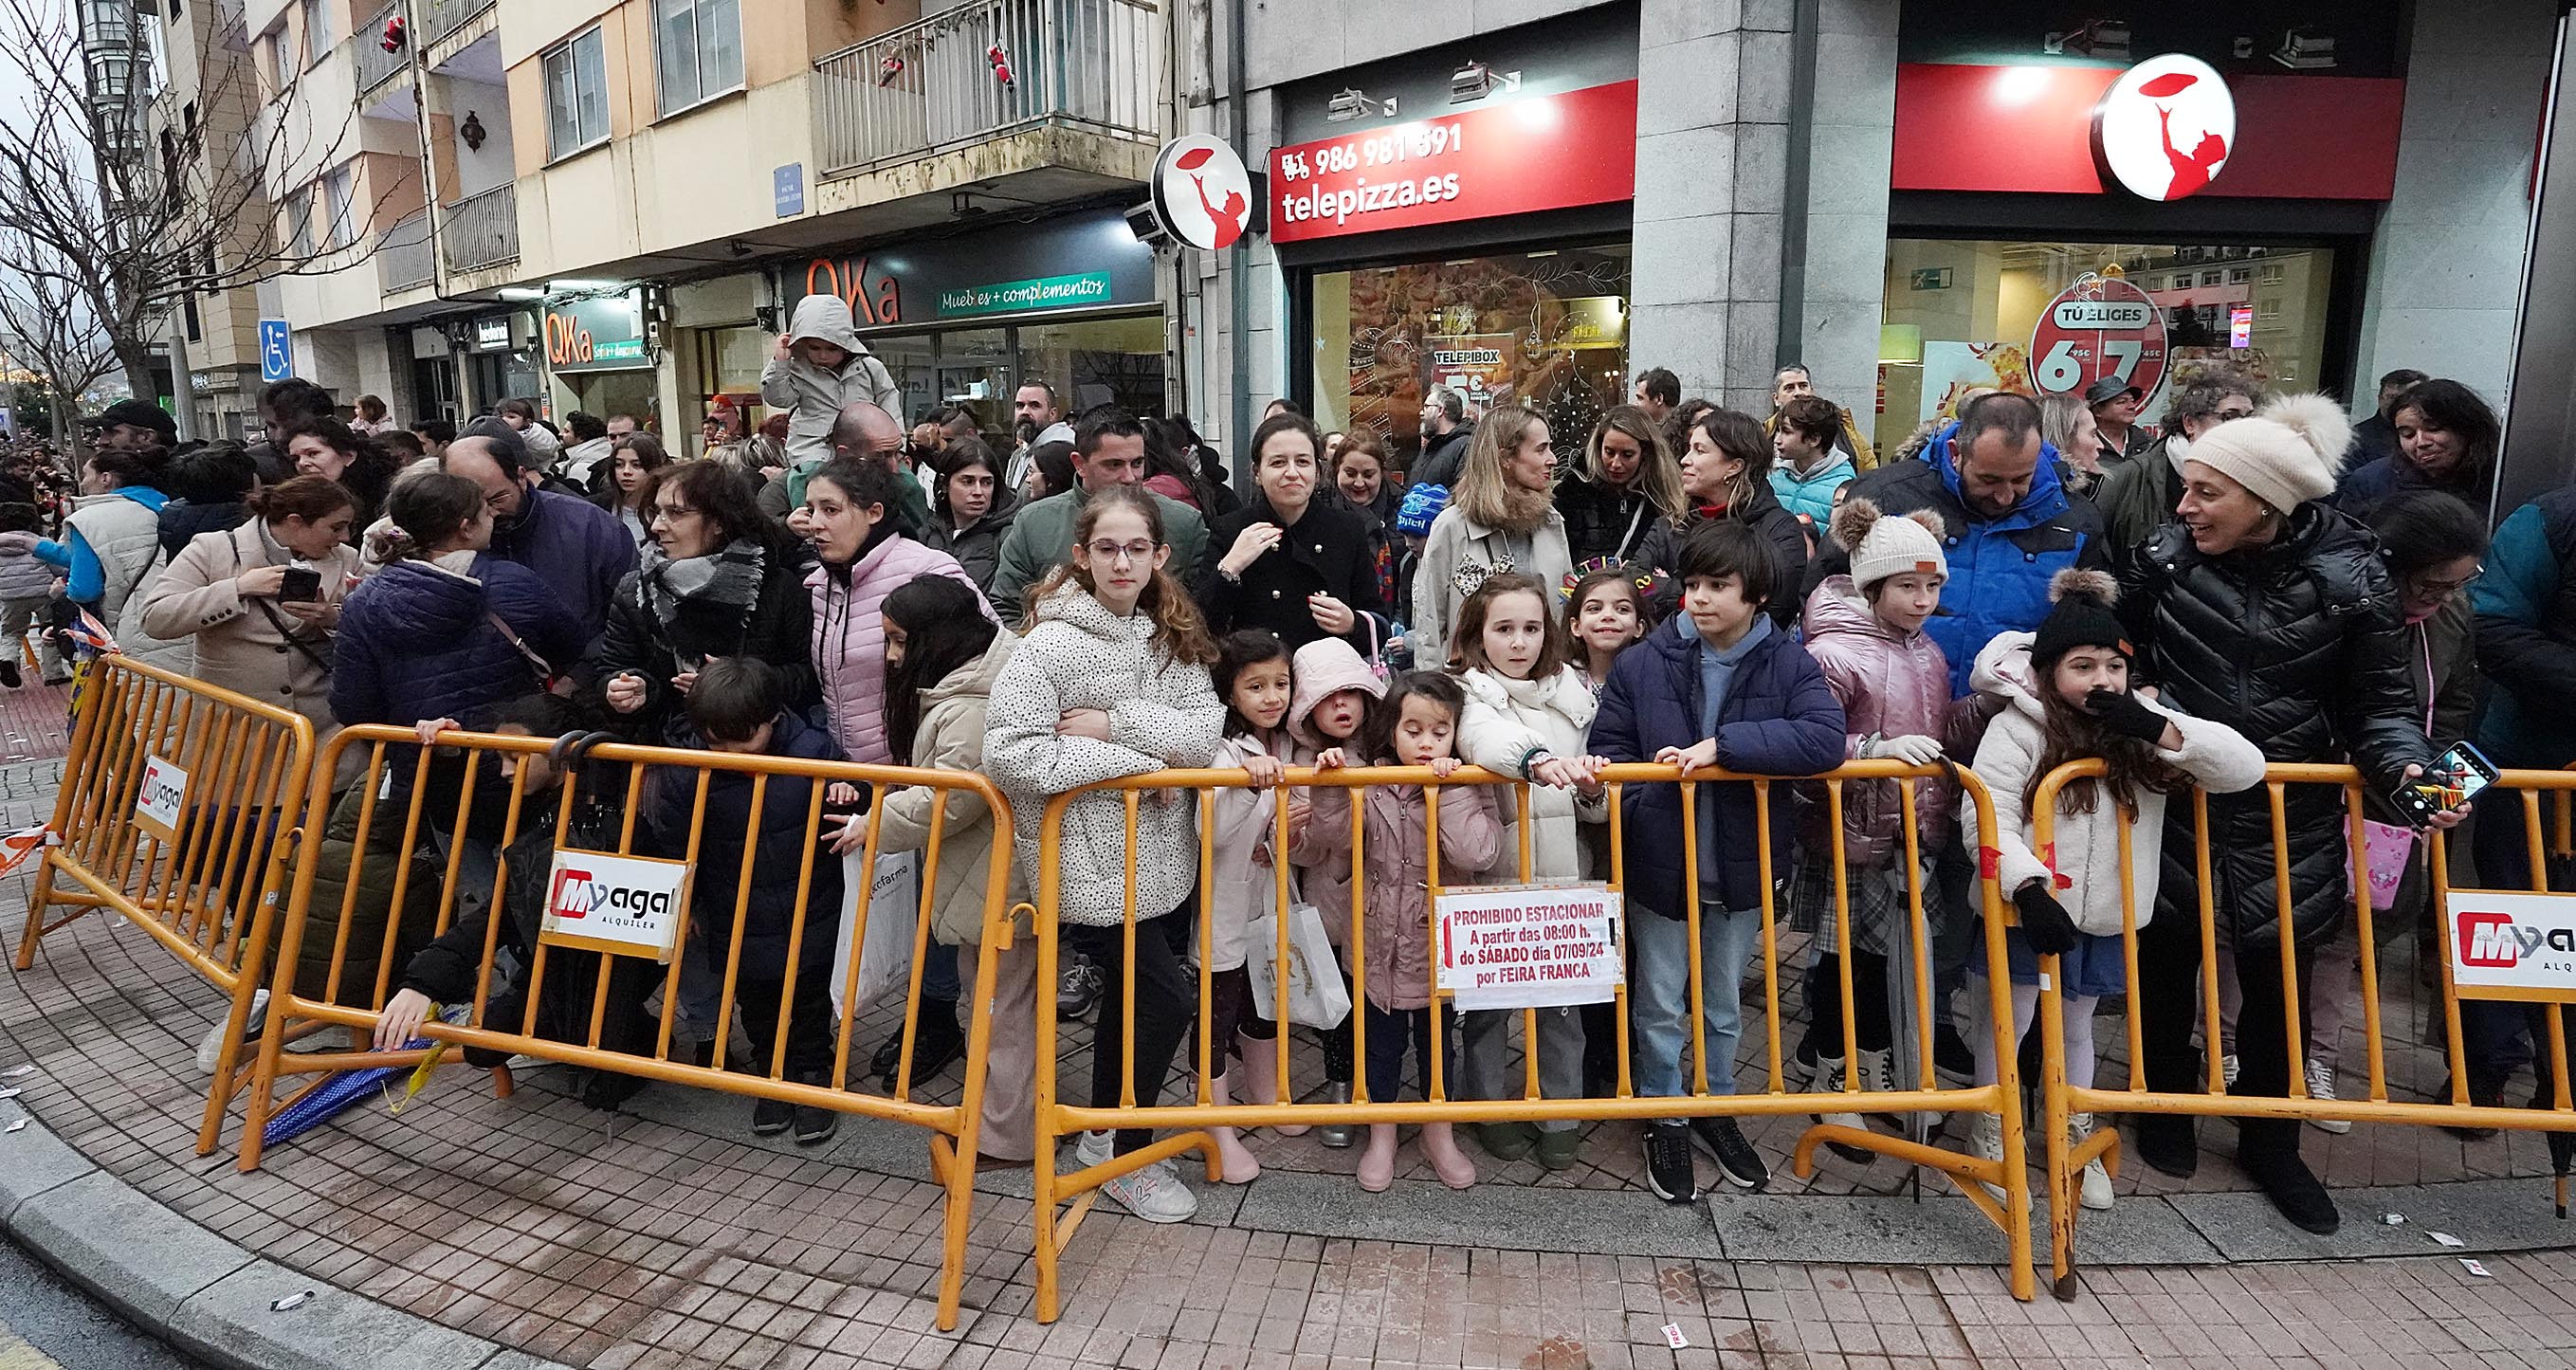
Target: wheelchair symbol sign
<point>274,362</point>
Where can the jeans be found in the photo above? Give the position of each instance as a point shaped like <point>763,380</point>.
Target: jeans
<point>1659,998</point>
<point>1392,1033</point>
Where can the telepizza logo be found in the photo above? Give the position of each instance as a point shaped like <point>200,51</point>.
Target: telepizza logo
<point>577,895</point>
<point>2492,940</point>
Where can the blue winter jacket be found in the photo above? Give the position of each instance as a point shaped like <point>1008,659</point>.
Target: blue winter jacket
<point>1778,718</point>
<point>1811,496</point>
<point>779,856</point>
<point>574,546</point>
<point>1999,568</point>
<point>2526,608</point>
<point>419,642</point>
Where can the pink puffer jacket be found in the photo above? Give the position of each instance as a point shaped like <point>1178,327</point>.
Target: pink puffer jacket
<point>849,637</point>
<point>1890,686</point>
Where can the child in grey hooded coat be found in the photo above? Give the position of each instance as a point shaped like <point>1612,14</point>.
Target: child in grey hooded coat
<point>820,366</point>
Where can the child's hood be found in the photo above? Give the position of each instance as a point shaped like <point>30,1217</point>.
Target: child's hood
<point>1321,669</point>
<point>826,318</point>
<point>2003,670</point>
<point>1563,693</point>
<point>975,677</point>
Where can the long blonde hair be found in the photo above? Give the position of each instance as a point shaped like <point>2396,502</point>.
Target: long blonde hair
<point>1484,493</point>
<point>1659,469</point>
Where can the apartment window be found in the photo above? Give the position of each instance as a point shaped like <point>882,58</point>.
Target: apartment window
<point>2270,308</point>
<point>2210,278</point>
<point>188,315</point>
<point>272,48</point>
<point>697,47</point>
<point>2240,276</point>
<point>317,29</point>
<point>576,96</point>
<point>2273,275</point>
<point>300,226</point>
<point>338,198</point>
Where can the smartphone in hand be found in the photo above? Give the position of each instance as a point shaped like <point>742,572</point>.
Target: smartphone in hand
<point>2454,778</point>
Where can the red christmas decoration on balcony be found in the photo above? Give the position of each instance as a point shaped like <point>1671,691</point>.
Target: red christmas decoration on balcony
<point>891,68</point>
<point>1001,64</point>
<point>397,32</point>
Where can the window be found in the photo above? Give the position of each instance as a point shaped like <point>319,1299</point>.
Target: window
<point>576,96</point>
<point>188,315</point>
<point>339,189</point>
<point>300,229</point>
<point>2211,277</point>
<point>2270,308</point>
<point>272,49</point>
<point>697,47</point>
<point>2239,276</point>
<point>2273,275</point>
<point>317,29</point>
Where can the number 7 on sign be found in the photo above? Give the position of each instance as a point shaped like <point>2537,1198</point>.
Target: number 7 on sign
<point>2124,355</point>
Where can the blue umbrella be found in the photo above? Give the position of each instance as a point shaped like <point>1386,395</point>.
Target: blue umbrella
<point>335,1094</point>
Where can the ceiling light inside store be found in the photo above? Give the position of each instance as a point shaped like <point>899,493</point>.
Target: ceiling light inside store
<point>518,292</point>
<point>1475,81</point>
<point>1352,103</point>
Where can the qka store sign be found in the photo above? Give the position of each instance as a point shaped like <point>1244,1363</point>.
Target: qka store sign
<point>596,335</point>
<point>2513,946</point>
<point>1535,153</point>
<point>1089,260</point>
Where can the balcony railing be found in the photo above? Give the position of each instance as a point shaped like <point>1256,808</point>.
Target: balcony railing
<point>480,230</point>
<point>403,256</point>
<point>439,18</point>
<point>932,85</point>
<point>374,63</point>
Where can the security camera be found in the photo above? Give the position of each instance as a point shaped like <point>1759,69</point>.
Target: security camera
<point>1148,226</point>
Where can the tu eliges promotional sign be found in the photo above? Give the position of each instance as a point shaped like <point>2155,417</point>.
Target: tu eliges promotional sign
<point>1535,153</point>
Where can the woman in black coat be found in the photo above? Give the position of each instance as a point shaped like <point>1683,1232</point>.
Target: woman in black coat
<point>1726,474</point>
<point>2266,610</point>
<point>1624,502</point>
<point>1290,560</point>
<point>719,579</point>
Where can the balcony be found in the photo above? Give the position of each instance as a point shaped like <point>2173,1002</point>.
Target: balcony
<point>403,256</point>
<point>439,18</point>
<point>480,230</point>
<point>1090,65</point>
<point>374,63</point>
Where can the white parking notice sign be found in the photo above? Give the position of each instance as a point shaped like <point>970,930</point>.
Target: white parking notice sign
<point>621,905</point>
<point>1531,946</point>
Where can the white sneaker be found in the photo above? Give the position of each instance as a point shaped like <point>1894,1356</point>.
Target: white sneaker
<point>2321,1086</point>
<point>1094,1148</point>
<point>2227,1069</point>
<point>1828,1079</point>
<point>1154,1193</point>
<point>1986,1143</point>
<point>2096,1193</point>
<point>210,1048</point>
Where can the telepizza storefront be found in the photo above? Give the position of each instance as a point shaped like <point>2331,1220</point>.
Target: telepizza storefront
<point>967,319</point>
<point>2052,224</point>
<point>1483,245</point>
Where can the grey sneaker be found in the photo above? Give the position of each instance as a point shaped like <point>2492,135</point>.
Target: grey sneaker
<point>1154,1193</point>
<point>2321,1087</point>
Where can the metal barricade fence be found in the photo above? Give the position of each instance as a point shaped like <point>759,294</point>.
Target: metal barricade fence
<point>1056,1119</point>
<point>335,969</point>
<point>2067,1160</point>
<point>178,810</point>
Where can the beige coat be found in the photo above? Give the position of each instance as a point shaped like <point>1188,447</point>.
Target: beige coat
<point>238,648</point>
<point>951,738</point>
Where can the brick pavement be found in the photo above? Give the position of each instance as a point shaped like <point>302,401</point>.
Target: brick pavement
<point>677,1239</point>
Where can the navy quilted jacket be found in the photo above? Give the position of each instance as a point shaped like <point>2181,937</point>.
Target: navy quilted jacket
<point>419,642</point>
<point>1778,719</point>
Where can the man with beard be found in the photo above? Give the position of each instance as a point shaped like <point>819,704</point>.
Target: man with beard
<point>1444,438</point>
<point>1034,409</point>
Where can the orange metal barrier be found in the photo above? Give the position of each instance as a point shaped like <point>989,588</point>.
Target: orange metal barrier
<point>386,820</point>
<point>177,810</point>
<point>2066,1161</point>
<point>1056,1120</point>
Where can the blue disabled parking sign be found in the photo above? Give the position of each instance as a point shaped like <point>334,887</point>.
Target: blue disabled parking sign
<point>275,362</point>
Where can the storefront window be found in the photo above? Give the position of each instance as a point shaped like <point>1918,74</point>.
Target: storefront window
<point>1545,329</point>
<point>1098,361</point>
<point>1961,314</point>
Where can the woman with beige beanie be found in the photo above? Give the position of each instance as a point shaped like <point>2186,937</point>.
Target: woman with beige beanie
<point>2267,610</point>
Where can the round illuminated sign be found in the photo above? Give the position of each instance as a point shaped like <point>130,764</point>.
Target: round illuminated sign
<point>2166,128</point>
<point>2099,327</point>
<point>1202,193</point>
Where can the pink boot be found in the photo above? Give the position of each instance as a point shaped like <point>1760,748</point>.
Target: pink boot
<point>1260,1075</point>
<point>1235,1164</point>
<point>1377,1161</point>
<point>1441,1149</point>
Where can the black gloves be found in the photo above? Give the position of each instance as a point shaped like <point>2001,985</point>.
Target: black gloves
<point>2043,919</point>
<point>2123,712</point>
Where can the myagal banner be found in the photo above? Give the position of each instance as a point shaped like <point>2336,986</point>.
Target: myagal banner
<point>622,905</point>
<point>1537,152</point>
<point>2507,945</point>
<point>1531,946</point>
<point>160,802</point>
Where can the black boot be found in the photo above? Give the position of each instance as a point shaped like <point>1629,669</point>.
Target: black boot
<point>2268,1151</point>
<point>2169,1142</point>
<point>937,1044</point>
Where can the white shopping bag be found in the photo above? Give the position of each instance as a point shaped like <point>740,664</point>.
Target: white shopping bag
<point>894,913</point>
<point>1317,997</point>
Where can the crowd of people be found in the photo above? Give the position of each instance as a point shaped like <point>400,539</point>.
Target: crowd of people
<point>1089,597</point>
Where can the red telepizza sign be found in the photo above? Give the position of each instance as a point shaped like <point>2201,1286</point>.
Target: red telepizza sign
<point>2100,326</point>
<point>1536,153</point>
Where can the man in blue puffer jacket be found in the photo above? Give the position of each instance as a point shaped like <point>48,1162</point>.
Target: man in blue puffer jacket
<point>2013,524</point>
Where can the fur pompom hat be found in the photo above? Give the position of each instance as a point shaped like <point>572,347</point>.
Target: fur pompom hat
<point>2287,453</point>
<point>2082,618</point>
<point>1881,547</point>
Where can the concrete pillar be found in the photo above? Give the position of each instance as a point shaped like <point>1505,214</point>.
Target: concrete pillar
<point>1849,168</point>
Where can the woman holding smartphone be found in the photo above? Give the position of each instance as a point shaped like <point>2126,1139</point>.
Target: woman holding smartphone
<point>262,600</point>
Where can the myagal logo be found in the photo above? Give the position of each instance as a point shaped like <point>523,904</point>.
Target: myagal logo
<point>2165,128</point>
<point>1202,193</point>
<point>570,898</point>
<point>2493,939</point>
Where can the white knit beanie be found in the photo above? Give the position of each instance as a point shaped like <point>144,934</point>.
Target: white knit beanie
<point>2286,454</point>
<point>1883,547</point>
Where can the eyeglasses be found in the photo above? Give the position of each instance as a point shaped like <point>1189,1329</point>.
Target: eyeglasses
<point>1114,551</point>
<point>674,512</point>
<point>2224,415</point>
<point>2444,589</point>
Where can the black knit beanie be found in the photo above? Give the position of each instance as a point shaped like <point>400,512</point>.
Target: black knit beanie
<point>2082,618</point>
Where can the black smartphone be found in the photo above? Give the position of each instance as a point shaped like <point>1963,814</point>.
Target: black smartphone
<point>2454,779</point>
<point>302,585</point>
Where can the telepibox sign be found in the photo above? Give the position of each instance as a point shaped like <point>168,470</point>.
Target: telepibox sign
<point>161,801</point>
<point>2508,945</point>
<point>1538,152</point>
<point>621,905</point>
<point>1531,946</point>
<point>2100,326</point>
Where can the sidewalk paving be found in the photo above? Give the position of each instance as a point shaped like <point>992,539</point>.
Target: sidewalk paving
<point>504,1234</point>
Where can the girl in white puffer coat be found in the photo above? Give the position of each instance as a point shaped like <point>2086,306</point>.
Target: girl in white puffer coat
<point>1529,715</point>
<point>2065,696</point>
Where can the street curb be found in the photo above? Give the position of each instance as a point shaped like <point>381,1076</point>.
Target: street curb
<point>206,1296</point>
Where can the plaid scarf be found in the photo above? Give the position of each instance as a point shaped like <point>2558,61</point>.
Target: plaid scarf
<point>725,582</point>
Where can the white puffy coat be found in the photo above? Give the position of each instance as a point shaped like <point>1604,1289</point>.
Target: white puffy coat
<point>1162,713</point>
<point>2084,868</point>
<point>1246,821</point>
<point>1509,722</point>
